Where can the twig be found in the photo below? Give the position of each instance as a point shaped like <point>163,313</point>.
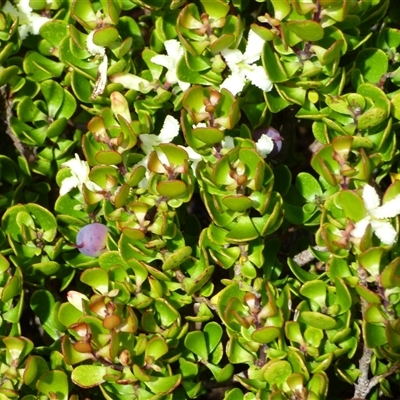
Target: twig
<point>201,299</point>
<point>306,256</point>
<point>7,114</point>
<point>364,385</point>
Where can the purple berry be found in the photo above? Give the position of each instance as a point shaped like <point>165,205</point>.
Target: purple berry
<point>91,239</point>
<point>273,134</point>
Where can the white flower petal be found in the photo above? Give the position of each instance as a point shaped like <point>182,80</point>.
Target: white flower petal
<point>163,60</point>
<point>264,145</point>
<point>183,85</point>
<point>148,142</point>
<point>232,56</point>
<point>80,174</point>
<point>162,157</point>
<point>10,9</point>
<point>94,187</point>
<point>388,210</point>
<point>234,83</point>
<point>24,31</point>
<point>174,49</point>
<point>171,77</point>
<point>29,22</point>
<point>24,6</point>
<point>78,167</point>
<point>194,157</point>
<point>228,143</point>
<point>36,22</point>
<point>169,130</point>
<point>170,61</point>
<point>68,184</point>
<point>384,231</point>
<point>259,78</point>
<point>199,125</point>
<point>360,227</point>
<point>254,48</point>
<point>370,197</point>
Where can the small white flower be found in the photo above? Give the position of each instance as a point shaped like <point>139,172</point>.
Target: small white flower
<point>375,213</point>
<point>170,61</point>
<point>228,143</point>
<point>150,142</point>
<point>264,145</point>
<point>80,175</point>
<point>168,132</point>
<point>194,157</point>
<point>243,68</point>
<point>29,22</point>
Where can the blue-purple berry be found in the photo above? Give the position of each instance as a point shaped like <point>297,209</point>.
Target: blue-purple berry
<point>91,239</point>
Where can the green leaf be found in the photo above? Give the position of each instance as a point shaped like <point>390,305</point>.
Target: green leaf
<point>242,230</point>
<point>163,385</point>
<point>343,296</point>
<point>40,68</point>
<point>352,205</point>
<point>306,30</point>
<point>172,189</point>
<point>44,306</point>
<point>7,73</point>
<point>195,341</point>
<point>316,291</point>
<point>266,334</point>
<point>34,368</point>
<point>54,31</point>
<point>300,273</point>
<point>83,12</point>
<point>108,157</point>
<point>97,278</point>
<point>277,372</point>
<point>213,335</point>
<point>87,376</point>
<point>318,320</point>
<point>167,314</point>
<point>270,59</point>
<point>11,289</point>
<point>156,347</point>
<point>105,36</point>
<point>177,258</point>
<point>308,187</point>
<point>373,64</point>
<point>54,382</point>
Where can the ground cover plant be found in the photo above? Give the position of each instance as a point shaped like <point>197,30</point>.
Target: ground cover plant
<point>199,199</point>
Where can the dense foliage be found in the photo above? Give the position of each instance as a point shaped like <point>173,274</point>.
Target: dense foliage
<point>200,198</point>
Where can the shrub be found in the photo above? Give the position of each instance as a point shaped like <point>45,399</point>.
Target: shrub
<point>200,198</point>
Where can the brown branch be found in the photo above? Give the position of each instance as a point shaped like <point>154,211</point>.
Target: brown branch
<point>364,385</point>
<point>7,113</point>
<point>306,256</point>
